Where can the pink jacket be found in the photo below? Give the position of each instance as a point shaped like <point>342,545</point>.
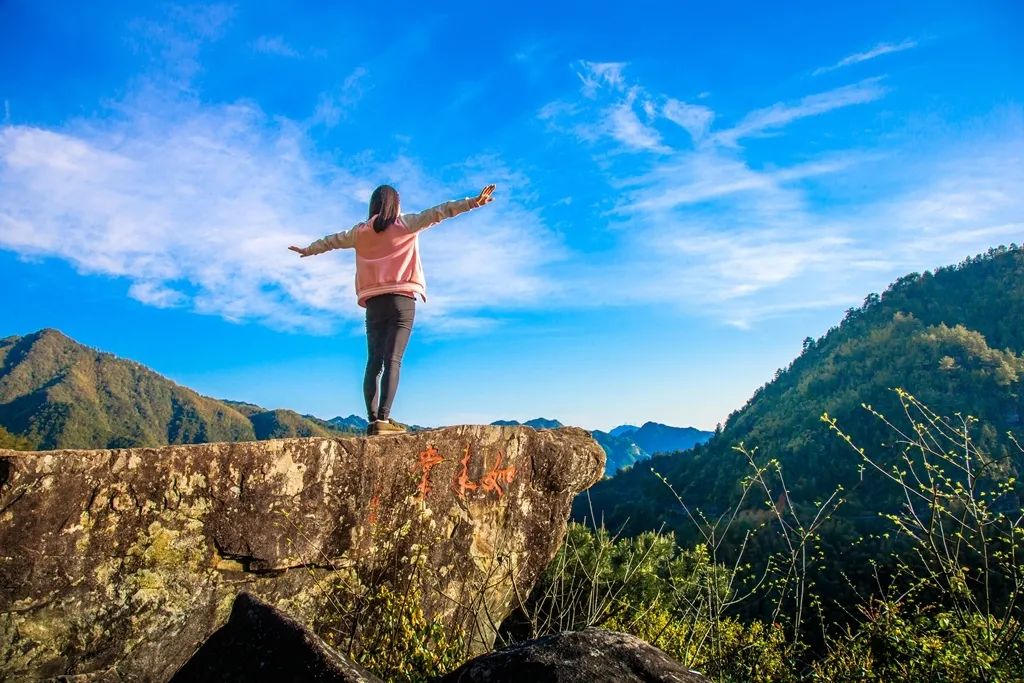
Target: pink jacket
<point>389,262</point>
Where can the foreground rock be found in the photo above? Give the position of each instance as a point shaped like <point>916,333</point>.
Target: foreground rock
<point>586,656</point>
<point>122,563</point>
<point>259,643</point>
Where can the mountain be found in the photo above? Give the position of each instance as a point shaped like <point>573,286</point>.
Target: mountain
<point>280,424</point>
<point>623,430</point>
<point>536,423</point>
<point>620,451</point>
<point>621,445</point>
<point>953,338</point>
<point>60,394</point>
<point>57,393</point>
<point>627,445</point>
<point>244,408</point>
<point>352,423</point>
<point>654,437</point>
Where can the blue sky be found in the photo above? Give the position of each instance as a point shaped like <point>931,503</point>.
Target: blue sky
<point>684,192</point>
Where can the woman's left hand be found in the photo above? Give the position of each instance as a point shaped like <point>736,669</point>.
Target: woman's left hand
<point>300,251</point>
<point>485,196</point>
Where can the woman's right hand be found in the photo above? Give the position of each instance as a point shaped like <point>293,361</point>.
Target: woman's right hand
<point>300,251</point>
<point>484,197</point>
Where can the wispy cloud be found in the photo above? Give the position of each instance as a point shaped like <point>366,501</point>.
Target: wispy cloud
<point>779,115</point>
<point>705,227</point>
<point>622,123</point>
<point>174,42</point>
<point>876,51</point>
<point>710,175</point>
<point>606,84</point>
<point>194,207</point>
<point>619,120</point>
<point>742,242</point>
<point>333,106</point>
<point>274,45</point>
<point>696,119</point>
<point>595,75</point>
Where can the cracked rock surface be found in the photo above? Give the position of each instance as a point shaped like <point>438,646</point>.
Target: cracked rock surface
<point>119,564</point>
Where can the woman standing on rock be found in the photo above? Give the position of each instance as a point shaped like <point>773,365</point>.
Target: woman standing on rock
<point>389,276</point>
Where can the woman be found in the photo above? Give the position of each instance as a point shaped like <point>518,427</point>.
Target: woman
<point>389,276</point>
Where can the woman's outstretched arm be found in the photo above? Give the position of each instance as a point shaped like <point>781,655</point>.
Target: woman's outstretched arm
<point>424,219</point>
<point>339,240</point>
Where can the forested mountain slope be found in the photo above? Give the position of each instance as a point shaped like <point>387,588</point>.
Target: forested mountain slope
<point>953,338</point>
<point>57,393</point>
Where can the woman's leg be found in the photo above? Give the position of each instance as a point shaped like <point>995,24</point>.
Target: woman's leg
<point>397,338</point>
<point>376,336</point>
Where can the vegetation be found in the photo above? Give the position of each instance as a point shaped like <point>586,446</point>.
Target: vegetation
<point>14,443</point>
<point>950,609</point>
<point>674,598</point>
<point>953,336</point>
<point>397,641</point>
<point>56,393</point>
<point>279,424</point>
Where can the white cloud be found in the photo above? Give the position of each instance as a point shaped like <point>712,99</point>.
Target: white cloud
<point>711,232</point>
<point>595,75</point>
<point>709,174</point>
<point>155,294</point>
<point>619,120</point>
<point>779,115</point>
<point>706,228</point>
<point>617,102</point>
<point>694,118</point>
<point>332,107</point>
<point>274,45</point>
<point>876,51</point>
<point>556,109</point>
<point>194,206</point>
<point>622,124</point>
<point>174,42</point>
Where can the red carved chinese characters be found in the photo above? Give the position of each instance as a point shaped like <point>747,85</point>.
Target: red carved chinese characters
<point>492,480</point>
<point>374,507</point>
<point>428,459</point>
<point>462,483</point>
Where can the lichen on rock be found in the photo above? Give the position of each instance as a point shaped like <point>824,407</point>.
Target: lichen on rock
<point>126,560</point>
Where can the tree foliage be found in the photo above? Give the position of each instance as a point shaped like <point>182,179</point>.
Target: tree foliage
<point>56,393</point>
<point>953,338</point>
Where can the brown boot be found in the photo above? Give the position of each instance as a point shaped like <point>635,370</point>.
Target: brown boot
<point>387,427</point>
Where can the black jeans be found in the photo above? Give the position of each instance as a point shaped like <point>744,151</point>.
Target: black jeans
<point>389,319</point>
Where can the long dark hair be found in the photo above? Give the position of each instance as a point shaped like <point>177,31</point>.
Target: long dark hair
<point>384,203</point>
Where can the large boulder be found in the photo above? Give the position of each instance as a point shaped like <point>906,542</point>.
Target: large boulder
<point>259,643</point>
<point>586,656</point>
<point>123,562</point>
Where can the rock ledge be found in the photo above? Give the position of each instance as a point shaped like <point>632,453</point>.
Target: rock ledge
<point>126,561</point>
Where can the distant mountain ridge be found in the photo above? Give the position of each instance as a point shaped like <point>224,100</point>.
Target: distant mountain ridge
<point>57,393</point>
<point>620,451</point>
<point>536,423</point>
<point>352,423</point>
<point>655,437</point>
<point>626,445</point>
<point>622,430</point>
